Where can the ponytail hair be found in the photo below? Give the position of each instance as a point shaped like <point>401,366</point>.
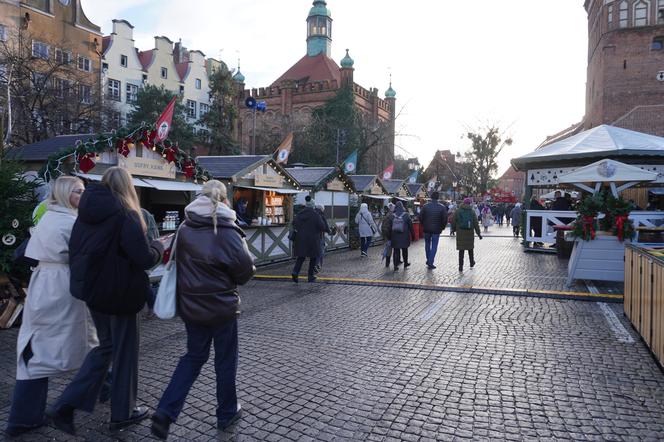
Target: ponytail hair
<point>216,192</point>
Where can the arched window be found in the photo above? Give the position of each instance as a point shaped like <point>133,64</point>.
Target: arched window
<point>641,13</point>
<point>624,14</point>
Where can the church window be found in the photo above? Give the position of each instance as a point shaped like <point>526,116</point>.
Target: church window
<point>657,44</point>
<point>660,11</point>
<point>624,11</point>
<point>641,13</point>
<point>610,9</point>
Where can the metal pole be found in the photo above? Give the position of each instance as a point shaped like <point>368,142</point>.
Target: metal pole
<point>338,134</point>
<point>253,135</point>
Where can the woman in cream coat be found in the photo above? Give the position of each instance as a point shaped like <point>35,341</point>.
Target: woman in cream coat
<point>56,332</point>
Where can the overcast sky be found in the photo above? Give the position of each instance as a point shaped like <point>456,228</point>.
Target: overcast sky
<point>455,64</point>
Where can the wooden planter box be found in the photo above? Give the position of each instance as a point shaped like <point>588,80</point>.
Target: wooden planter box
<point>601,259</point>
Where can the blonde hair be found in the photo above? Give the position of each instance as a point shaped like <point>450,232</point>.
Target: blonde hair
<point>216,191</point>
<point>120,183</point>
<point>61,190</point>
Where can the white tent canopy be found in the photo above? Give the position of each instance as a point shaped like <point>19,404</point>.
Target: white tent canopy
<point>600,141</point>
<point>607,171</point>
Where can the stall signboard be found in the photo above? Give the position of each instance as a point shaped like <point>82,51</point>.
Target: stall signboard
<point>268,180</point>
<point>336,185</point>
<point>147,167</point>
<point>376,189</point>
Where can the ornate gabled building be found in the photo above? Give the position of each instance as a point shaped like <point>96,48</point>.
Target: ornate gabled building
<point>309,84</point>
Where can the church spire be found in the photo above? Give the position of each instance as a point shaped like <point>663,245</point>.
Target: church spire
<point>319,29</point>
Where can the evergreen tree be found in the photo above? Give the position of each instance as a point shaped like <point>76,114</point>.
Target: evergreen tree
<point>17,201</point>
<point>151,102</point>
<point>222,113</point>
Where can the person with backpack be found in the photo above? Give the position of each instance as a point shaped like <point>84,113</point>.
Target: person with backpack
<point>515,216</point>
<point>465,222</point>
<point>109,254</point>
<point>367,227</point>
<point>401,232</point>
<point>56,332</point>
<point>434,219</point>
<point>386,233</point>
<point>212,259</point>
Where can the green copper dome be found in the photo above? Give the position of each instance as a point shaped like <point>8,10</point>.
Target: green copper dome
<point>320,8</point>
<point>390,93</point>
<point>347,62</point>
<point>238,77</point>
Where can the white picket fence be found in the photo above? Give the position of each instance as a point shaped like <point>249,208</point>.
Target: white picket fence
<point>551,218</point>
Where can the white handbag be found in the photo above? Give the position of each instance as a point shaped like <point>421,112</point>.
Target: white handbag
<point>164,304</point>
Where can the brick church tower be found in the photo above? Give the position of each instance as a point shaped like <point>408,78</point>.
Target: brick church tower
<point>308,84</point>
<point>625,83</point>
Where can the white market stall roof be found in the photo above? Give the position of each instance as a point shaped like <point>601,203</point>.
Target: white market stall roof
<point>607,171</point>
<point>152,183</point>
<point>601,141</point>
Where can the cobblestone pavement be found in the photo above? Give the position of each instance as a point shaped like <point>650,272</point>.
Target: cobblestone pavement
<point>322,362</point>
<point>501,264</point>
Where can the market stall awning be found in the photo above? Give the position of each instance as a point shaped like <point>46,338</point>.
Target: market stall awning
<point>273,189</point>
<point>607,171</point>
<point>172,185</point>
<point>93,177</point>
<point>599,142</point>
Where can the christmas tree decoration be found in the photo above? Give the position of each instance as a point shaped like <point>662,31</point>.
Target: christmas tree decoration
<point>8,239</point>
<point>123,147</point>
<point>15,223</point>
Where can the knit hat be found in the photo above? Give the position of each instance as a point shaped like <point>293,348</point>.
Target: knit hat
<point>467,200</point>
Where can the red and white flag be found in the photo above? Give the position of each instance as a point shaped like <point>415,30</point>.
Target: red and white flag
<point>164,121</point>
<point>387,173</point>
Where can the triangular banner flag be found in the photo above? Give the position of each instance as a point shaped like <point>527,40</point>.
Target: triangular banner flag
<point>284,149</point>
<point>431,184</point>
<point>387,173</point>
<point>412,179</point>
<point>164,122</point>
<point>350,163</point>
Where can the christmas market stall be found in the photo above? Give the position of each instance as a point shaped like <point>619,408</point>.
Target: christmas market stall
<point>546,166</point>
<point>332,188</point>
<point>262,193</point>
<point>370,190</point>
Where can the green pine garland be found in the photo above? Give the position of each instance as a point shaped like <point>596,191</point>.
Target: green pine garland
<point>108,143</point>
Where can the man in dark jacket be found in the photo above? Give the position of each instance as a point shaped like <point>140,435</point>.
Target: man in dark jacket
<point>320,209</point>
<point>308,226</point>
<point>434,219</point>
<point>561,203</point>
<point>402,232</point>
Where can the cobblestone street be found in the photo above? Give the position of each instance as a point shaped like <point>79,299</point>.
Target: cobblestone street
<point>501,264</point>
<point>328,362</point>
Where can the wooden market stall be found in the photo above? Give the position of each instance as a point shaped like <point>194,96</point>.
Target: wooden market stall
<point>268,191</point>
<point>332,188</point>
<point>370,190</point>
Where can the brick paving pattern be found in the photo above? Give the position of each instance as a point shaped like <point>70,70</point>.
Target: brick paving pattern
<point>501,264</point>
<point>321,362</point>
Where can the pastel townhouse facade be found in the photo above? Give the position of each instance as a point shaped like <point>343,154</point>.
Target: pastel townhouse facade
<point>168,64</point>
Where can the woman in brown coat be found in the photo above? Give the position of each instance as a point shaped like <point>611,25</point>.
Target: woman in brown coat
<point>465,225</point>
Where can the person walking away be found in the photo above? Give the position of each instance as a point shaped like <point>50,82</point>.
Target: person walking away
<point>515,215</point>
<point>465,222</point>
<point>500,213</point>
<point>212,261</point>
<point>402,231</point>
<point>386,232</point>
<point>320,209</point>
<point>434,219</point>
<point>309,227</point>
<point>486,218</point>
<point>367,227</point>
<point>56,332</point>
<point>536,221</point>
<point>109,234</point>
<point>450,217</point>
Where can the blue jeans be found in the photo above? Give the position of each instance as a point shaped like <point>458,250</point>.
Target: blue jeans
<point>199,340</point>
<point>431,246</point>
<point>365,242</point>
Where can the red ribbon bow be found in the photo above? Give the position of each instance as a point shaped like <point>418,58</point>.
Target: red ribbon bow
<point>620,226</point>
<point>588,227</point>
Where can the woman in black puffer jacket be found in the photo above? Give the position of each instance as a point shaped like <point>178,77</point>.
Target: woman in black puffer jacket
<point>108,255</point>
<point>212,260</point>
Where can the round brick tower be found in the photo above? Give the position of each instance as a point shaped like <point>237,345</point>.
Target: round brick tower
<point>625,83</point>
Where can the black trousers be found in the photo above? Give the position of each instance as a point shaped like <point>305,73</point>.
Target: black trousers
<point>471,257</point>
<point>118,343</point>
<point>298,266</point>
<point>28,404</point>
<point>397,254</point>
